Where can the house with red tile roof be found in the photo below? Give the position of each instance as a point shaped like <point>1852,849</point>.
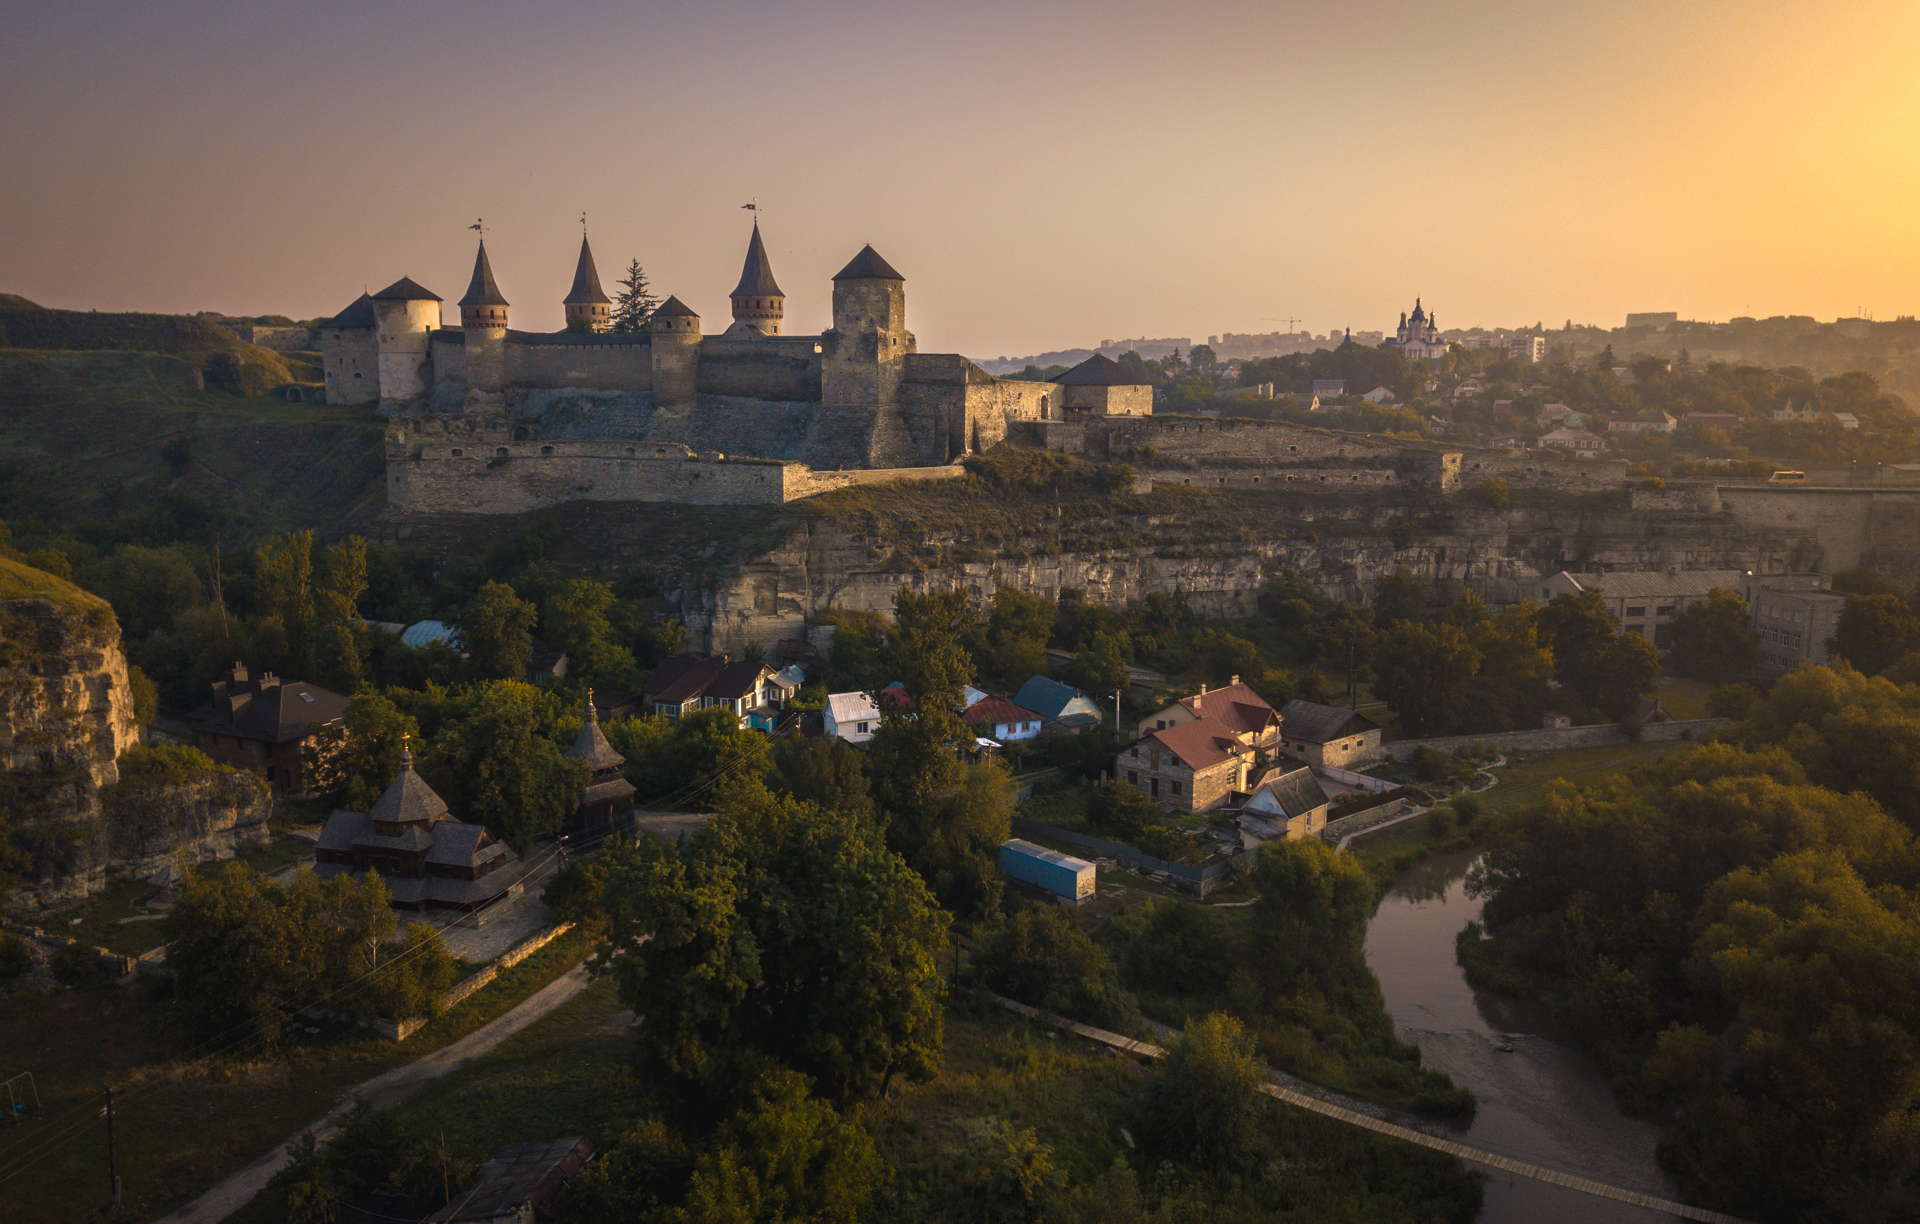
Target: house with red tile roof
<point>1201,750</point>
<point>1000,719</point>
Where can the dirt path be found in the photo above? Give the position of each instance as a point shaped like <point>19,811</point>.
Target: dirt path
<point>384,1090</point>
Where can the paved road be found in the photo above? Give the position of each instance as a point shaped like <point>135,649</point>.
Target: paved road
<point>384,1090</point>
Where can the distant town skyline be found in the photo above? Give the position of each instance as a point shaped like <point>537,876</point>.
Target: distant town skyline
<point>1043,178</point>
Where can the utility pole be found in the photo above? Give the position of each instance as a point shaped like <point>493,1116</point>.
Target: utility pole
<point>117,1206</point>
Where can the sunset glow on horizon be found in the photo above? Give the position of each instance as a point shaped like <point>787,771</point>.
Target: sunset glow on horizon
<point>1044,178</point>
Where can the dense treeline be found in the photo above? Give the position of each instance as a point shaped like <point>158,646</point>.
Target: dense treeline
<point>1734,929</point>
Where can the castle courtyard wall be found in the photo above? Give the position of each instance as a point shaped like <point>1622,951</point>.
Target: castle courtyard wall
<point>596,365</point>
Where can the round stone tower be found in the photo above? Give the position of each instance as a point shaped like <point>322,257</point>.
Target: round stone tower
<point>483,319</point>
<point>675,341</point>
<point>588,307</point>
<point>758,304</point>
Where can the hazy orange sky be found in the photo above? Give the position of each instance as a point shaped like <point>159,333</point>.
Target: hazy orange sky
<point>1045,175</point>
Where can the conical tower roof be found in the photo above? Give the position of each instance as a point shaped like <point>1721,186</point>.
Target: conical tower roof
<point>756,275</point>
<point>408,799</point>
<point>674,308</point>
<point>868,265</point>
<point>591,744</point>
<point>406,289</point>
<point>481,291</point>
<point>586,280</point>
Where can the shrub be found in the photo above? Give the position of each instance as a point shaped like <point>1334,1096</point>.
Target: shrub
<point>16,958</point>
<point>76,964</point>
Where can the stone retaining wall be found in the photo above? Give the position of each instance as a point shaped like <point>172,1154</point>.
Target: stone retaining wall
<point>1548,739</point>
<point>462,990</point>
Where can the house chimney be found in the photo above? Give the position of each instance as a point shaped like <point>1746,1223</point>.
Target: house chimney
<point>1236,677</point>
<point>1203,690</point>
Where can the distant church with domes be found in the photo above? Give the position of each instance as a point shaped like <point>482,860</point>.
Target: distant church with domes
<point>489,419</point>
<point>1418,336</point>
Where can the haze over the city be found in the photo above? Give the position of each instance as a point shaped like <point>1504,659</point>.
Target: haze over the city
<point>1043,177</point>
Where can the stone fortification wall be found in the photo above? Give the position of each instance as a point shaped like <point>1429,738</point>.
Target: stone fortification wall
<point>589,362</point>
<point>753,369</point>
<point>992,407</point>
<point>1560,473</point>
<point>351,363</point>
<point>806,482</point>
<point>505,477</point>
<point>1266,476</point>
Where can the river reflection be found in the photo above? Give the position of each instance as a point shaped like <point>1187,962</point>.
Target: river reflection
<point>1543,1101</point>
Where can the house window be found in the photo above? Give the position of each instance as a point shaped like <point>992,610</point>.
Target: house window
<point>1133,777</point>
<point>862,727</point>
<point>1175,787</point>
<point>1667,610</point>
<point>1640,610</point>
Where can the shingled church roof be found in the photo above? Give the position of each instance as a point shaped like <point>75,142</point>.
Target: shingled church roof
<point>756,275</point>
<point>586,280</point>
<point>481,291</point>
<point>591,744</point>
<point>408,799</point>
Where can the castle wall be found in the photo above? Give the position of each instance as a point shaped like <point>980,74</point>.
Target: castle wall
<point>758,370</point>
<point>449,351</point>
<point>992,407</point>
<point>597,366</point>
<point>504,477</point>
<point>352,365</point>
<point>401,329</point>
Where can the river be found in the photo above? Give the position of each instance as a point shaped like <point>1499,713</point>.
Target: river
<point>1544,1102</point>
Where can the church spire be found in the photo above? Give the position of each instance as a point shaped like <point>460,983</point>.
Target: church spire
<point>758,303</point>
<point>587,306</point>
<point>484,305</point>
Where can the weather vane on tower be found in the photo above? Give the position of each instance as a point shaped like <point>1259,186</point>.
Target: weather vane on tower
<point>480,224</point>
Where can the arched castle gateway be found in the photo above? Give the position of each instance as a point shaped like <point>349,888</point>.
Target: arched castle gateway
<point>486,418</point>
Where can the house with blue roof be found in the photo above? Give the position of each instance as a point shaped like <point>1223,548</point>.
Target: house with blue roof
<point>1058,703</point>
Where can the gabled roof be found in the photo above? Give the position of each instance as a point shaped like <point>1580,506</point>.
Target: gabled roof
<point>996,711</point>
<point>1317,724</point>
<point>683,678</point>
<point>359,313</point>
<point>268,709</point>
<point>852,708</point>
<point>868,265</point>
<point>481,291</point>
<point>1100,370</point>
<point>756,275</point>
<point>1049,697</point>
<point>1235,706</point>
<point>1200,744</point>
<point>1295,791</point>
<point>673,307</point>
<point>586,280</point>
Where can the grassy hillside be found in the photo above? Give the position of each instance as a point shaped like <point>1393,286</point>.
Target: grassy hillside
<point>126,445</point>
<point>200,341</point>
<point>18,580</point>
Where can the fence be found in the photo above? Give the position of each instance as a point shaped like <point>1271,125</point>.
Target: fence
<point>460,991</point>
<point>1359,781</point>
<point>1198,880</point>
<point>1548,738</point>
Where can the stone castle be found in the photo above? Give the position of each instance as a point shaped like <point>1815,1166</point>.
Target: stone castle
<point>486,418</point>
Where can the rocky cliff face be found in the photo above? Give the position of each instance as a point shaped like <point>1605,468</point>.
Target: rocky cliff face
<point>66,722</point>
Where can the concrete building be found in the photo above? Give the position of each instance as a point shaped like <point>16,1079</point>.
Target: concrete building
<point>264,724</point>
<point>1643,601</point>
<point>1795,623</point>
<point>1659,320</point>
<point>1288,802</point>
<point>1327,735</point>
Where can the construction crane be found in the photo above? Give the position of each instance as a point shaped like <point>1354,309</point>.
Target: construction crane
<point>1291,323</point>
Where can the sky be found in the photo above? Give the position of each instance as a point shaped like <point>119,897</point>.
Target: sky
<point>1044,175</point>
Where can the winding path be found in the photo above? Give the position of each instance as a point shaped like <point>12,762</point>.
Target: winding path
<point>1393,1130</point>
<point>384,1090</point>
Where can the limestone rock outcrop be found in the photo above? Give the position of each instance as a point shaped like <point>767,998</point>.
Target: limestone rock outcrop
<point>66,723</point>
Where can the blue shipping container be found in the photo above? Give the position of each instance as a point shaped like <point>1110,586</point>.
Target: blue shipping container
<point>1066,877</point>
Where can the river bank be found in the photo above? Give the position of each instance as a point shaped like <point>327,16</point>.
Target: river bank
<point>1542,1100</point>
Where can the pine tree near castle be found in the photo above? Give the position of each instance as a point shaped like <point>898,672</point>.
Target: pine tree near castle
<point>635,303</point>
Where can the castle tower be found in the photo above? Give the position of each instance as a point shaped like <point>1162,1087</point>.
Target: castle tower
<point>862,358</point>
<point>758,303</point>
<point>676,354</point>
<point>588,307</point>
<point>403,315</point>
<point>483,317</point>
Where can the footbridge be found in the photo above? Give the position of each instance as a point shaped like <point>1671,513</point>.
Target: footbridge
<point>1393,1130</point>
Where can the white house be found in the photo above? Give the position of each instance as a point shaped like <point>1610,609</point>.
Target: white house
<point>1579,441</point>
<point>1000,719</point>
<point>854,717</point>
<point>1379,395</point>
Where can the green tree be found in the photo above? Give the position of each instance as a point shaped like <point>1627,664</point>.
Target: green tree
<point>1311,919</point>
<point>1875,632</point>
<point>1013,643</point>
<point>1399,596</point>
<point>283,591</point>
<point>338,630</point>
<point>1040,955</point>
<point>1609,671</point>
<point>1624,674</point>
<point>349,763</point>
<point>1711,640</point>
<point>1203,1105</point>
<point>497,631</point>
<point>826,771</point>
<point>495,764</point>
<point>635,303</point>
<point>1423,671</point>
<point>787,1158</point>
<point>148,587</point>
<point>781,937</point>
<point>579,618</point>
